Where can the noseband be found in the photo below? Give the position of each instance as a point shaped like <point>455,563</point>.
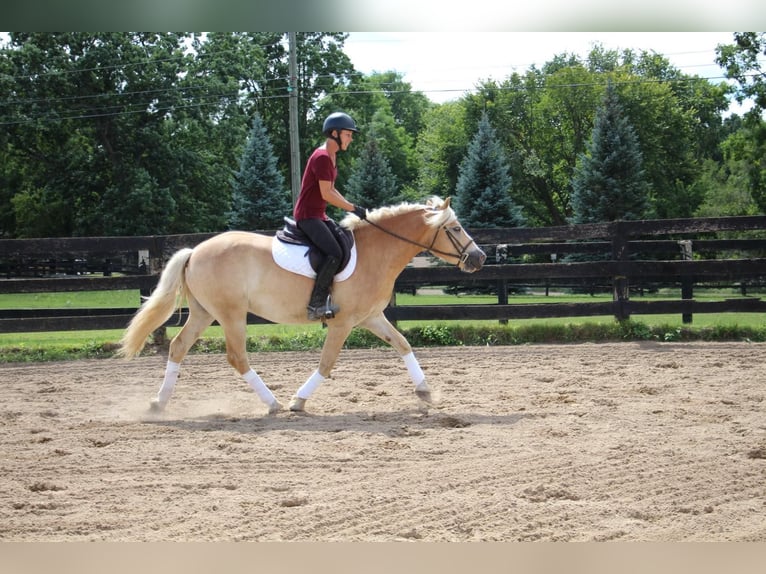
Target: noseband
<point>461,250</point>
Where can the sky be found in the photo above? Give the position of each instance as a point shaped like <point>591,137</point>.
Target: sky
<point>446,65</point>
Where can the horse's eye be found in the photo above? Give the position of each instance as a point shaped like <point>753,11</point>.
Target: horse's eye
<point>456,229</point>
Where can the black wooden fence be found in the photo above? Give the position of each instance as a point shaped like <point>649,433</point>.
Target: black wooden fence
<point>621,256</point>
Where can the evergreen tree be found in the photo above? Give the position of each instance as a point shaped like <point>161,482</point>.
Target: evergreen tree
<point>372,183</point>
<point>609,182</point>
<point>482,195</point>
<point>259,198</point>
<point>145,209</point>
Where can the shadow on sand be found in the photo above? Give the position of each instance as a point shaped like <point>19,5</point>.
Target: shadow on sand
<point>394,423</point>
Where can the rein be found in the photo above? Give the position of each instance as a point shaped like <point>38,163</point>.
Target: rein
<point>462,250</point>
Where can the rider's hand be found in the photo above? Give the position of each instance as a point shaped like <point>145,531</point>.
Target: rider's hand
<point>360,212</point>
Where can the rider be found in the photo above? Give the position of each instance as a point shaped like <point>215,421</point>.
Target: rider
<point>317,190</point>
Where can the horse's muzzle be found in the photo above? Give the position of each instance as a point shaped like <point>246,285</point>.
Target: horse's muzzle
<point>472,260</point>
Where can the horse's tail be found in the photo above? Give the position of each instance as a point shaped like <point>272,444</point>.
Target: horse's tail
<point>158,308</point>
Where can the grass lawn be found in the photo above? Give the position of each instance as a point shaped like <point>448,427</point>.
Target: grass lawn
<point>63,340</point>
<point>129,298</point>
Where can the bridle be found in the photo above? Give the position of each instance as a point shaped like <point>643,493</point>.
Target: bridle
<point>461,250</point>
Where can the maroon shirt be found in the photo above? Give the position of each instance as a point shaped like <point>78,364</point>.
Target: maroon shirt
<point>310,204</point>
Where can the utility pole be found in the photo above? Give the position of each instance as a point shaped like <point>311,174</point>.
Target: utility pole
<point>292,89</point>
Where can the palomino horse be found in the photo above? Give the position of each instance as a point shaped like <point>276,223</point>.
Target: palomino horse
<point>231,274</point>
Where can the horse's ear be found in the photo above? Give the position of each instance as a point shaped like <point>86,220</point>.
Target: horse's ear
<point>446,203</point>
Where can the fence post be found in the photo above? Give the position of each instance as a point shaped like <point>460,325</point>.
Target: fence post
<point>687,282</point>
<point>501,256</point>
<point>554,258</point>
<point>621,288</point>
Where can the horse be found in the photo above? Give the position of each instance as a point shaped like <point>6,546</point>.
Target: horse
<point>234,272</point>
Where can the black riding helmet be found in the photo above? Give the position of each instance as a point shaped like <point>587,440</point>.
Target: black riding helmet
<point>338,121</point>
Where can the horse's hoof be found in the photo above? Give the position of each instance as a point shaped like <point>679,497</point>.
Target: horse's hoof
<point>297,404</point>
<point>157,406</point>
<point>424,396</point>
<point>275,407</point>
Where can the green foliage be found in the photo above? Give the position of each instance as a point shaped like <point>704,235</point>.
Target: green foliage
<point>37,212</point>
<point>372,183</point>
<point>259,197</point>
<point>388,111</point>
<point>432,335</point>
<point>740,60</point>
<point>543,119</point>
<point>745,155</point>
<point>724,189</point>
<point>305,341</point>
<point>362,339</point>
<point>35,354</point>
<point>395,145</point>
<point>260,63</point>
<point>130,132</point>
<point>609,182</point>
<point>482,196</point>
<point>461,334</point>
<point>666,132</point>
<point>634,331</point>
<point>117,132</point>
<point>140,207</point>
<point>440,149</point>
<point>92,137</point>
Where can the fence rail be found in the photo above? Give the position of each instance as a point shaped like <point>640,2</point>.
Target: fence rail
<point>635,253</point>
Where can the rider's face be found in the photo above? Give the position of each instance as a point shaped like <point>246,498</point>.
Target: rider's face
<point>346,137</point>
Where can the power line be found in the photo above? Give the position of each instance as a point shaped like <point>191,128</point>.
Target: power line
<point>148,104</point>
<point>211,99</point>
<point>100,114</point>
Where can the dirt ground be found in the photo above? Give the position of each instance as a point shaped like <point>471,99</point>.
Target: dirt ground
<point>649,442</point>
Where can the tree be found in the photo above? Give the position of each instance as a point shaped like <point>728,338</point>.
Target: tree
<point>259,198</point>
<point>609,182</point>
<point>372,183</point>
<point>543,119</point>
<point>741,61</point>
<point>482,196</point>
<point>383,102</point>
<point>742,64</point>
<point>323,69</point>
<point>440,148</point>
<point>89,117</point>
<point>725,190</point>
<point>545,116</point>
<point>140,208</point>
<point>746,148</point>
<point>111,114</point>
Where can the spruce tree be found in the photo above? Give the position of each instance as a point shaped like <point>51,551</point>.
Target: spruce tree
<point>259,199</point>
<point>608,182</point>
<point>482,194</point>
<point>372,183</point>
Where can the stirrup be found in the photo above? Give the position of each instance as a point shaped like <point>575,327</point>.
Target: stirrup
<point>324,312</point>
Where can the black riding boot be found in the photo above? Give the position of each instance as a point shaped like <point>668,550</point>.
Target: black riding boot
<point>320,305</point>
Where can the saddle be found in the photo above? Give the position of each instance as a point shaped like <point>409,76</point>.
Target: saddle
<point>292,235</point>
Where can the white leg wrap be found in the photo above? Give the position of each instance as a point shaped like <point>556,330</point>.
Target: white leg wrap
<point>169,382</point>
<point>257,384</point>
<point>416,373</point>
<point>310,385</point>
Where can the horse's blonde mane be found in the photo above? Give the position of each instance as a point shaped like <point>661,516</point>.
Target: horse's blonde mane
<point>435,215</point>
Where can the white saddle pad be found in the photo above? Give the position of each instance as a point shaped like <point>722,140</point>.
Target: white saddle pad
<point>294,258</point>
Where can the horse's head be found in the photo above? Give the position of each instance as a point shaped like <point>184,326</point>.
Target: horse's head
<point>451,242</point>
